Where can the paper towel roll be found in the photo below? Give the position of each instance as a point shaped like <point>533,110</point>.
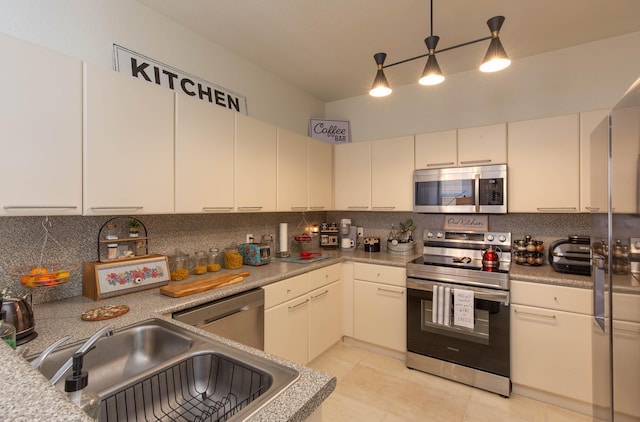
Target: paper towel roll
<point>284,238</point>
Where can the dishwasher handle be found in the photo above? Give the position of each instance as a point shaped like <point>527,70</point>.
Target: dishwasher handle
<point>213,311</point>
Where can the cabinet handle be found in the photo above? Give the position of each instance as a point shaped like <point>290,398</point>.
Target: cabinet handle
<point>535,315</point>
<point>39,207</point>
<point>476,161</point>
<point>449,163</point>
<point>317,207</point>
<point>134,208</point>
<point>556,209</point>
<point>216,209</point>
<point>320,294</point>
<point>395,292</point>
<point>357,207</point>
<point>384,208</point>
<point>299,208</point>
<point>593,209</point>
<point>291,308</point>
<point>250,208</point>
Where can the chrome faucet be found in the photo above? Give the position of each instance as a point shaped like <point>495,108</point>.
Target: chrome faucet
<point>106,331</point>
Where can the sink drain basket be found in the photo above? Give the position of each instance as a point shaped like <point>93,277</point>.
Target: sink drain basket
<point>206,387</point>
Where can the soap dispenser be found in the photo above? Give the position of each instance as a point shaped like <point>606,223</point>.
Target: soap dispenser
<point>75,385</point>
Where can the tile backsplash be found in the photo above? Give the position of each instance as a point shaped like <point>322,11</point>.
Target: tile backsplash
<point>75,238</point>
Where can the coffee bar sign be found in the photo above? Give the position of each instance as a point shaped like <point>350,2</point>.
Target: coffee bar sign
<point>141,67</point>
<point>332,131</point>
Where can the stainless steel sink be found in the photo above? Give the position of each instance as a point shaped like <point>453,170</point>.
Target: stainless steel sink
<point>156,370</point>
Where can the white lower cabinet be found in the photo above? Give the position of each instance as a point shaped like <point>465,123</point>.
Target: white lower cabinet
<point>380,306</point>
<point>551,340</point>
<point>303,314</point>
<point>626,356</point>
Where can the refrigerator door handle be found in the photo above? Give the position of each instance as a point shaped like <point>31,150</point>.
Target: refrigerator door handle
<point>598,278</point>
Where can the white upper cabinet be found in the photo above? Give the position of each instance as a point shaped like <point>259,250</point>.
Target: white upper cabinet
<point>204,157</point>
<point>255,172</point>
<point>320,175</point>
<point>292,171</point>
<point>590,121</point>
<point>41,120</point>
<point>352,176</point>
<point>128,145</point>
<point>483,145</point>
<point>436,150</point>
<point>625,150</point>
<point>392,174</point>
<point>544,165</point>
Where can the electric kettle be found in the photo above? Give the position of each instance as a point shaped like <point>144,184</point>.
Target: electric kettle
<point>19,313</point>
<point>491,259</point>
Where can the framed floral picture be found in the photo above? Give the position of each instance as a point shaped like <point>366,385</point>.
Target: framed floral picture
<point>101,280</point>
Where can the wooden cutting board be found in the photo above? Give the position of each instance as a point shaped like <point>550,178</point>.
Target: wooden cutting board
<point>197,286</point>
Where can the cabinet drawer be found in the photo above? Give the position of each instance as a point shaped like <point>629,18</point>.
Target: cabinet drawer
<point>324,276</point>
<point>626,307</point>
<point>561,298</point>
<point>280,292</point>
<point>395,276</point>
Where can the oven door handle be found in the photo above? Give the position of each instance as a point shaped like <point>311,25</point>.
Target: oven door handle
<point>478,293</point>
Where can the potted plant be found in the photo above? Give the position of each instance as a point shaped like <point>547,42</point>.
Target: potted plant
<point>134,227</point>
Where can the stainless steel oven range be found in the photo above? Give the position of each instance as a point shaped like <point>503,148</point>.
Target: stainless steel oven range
<point>458,309</point>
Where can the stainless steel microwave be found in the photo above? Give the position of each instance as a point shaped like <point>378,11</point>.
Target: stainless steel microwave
<point>478,189</point>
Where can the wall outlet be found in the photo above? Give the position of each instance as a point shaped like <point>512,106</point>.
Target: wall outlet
<point>360,231</point>
<point>249,238</point>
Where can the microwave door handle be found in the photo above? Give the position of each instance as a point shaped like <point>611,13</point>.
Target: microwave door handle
<point>477,192</point>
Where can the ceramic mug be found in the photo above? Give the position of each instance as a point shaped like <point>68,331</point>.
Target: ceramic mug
<point>347,243</point>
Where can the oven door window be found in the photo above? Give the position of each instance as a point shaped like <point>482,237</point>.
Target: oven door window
<point>484,347</point>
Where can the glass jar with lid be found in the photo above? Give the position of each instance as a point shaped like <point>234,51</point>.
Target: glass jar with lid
<point>232,258</point>
<point>179,265</point>
<point>213,263</point>
<point>200,260</point>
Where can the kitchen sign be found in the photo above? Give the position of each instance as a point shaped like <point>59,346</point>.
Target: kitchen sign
<point>332,131</point>
<point>476,223</point>
<point>141,67</point>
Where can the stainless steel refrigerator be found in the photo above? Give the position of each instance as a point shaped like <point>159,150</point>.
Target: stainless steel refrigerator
<point>615,240</point>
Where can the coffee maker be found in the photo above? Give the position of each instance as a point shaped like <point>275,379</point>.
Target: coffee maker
<point>348,235</point>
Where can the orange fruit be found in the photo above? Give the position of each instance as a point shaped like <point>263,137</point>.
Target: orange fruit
<point>38,270</point>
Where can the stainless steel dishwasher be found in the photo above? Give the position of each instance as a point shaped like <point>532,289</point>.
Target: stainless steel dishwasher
<point>239,317</point>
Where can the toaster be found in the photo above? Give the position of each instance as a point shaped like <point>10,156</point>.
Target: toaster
<point>255,254</point>
<point>571,255</point>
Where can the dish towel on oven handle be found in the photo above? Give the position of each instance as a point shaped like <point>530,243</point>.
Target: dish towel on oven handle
<point>441,305</point>
<point>463,308</point>
<point>447,306</point>
<point>434,304</point>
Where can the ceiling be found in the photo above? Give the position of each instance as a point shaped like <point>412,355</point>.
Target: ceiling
<point>326,47</point>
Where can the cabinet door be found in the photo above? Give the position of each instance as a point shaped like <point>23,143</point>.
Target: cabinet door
<point>626,367</point>
<point>128,145</point>
<point>551,351</point>
<point>286,330</point>
<point>625,149</point>
<point>352,176</point>
<point>320,175</point>
<point>292,171</point>
<point>589,122</point>
<point>544,165</point>
<point>484,145</point>
<point>380,314</point>
<point>325,318</point>
<point>203,157</point>
<point>41,120</point>
<point>437,149</point>
<point>392,174</point>
<point>255,172</point>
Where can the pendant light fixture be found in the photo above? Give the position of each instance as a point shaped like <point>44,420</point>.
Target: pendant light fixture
<point>496,58</point>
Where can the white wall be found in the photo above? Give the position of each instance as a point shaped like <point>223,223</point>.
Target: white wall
<point>587,77</point>
<point>87,29</point>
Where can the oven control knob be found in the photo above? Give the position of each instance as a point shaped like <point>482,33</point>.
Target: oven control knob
<point>439,235</point>
<point>502,238</point>
<point>490,237</point>
<point>429,234</point>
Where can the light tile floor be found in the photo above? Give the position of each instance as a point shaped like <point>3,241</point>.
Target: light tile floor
<point>372,387</point>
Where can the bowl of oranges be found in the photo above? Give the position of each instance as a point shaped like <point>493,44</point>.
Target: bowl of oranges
<point>44,275</point>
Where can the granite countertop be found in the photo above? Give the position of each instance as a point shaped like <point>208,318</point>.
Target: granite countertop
<point>33,398</point>
<point>28,396</point>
